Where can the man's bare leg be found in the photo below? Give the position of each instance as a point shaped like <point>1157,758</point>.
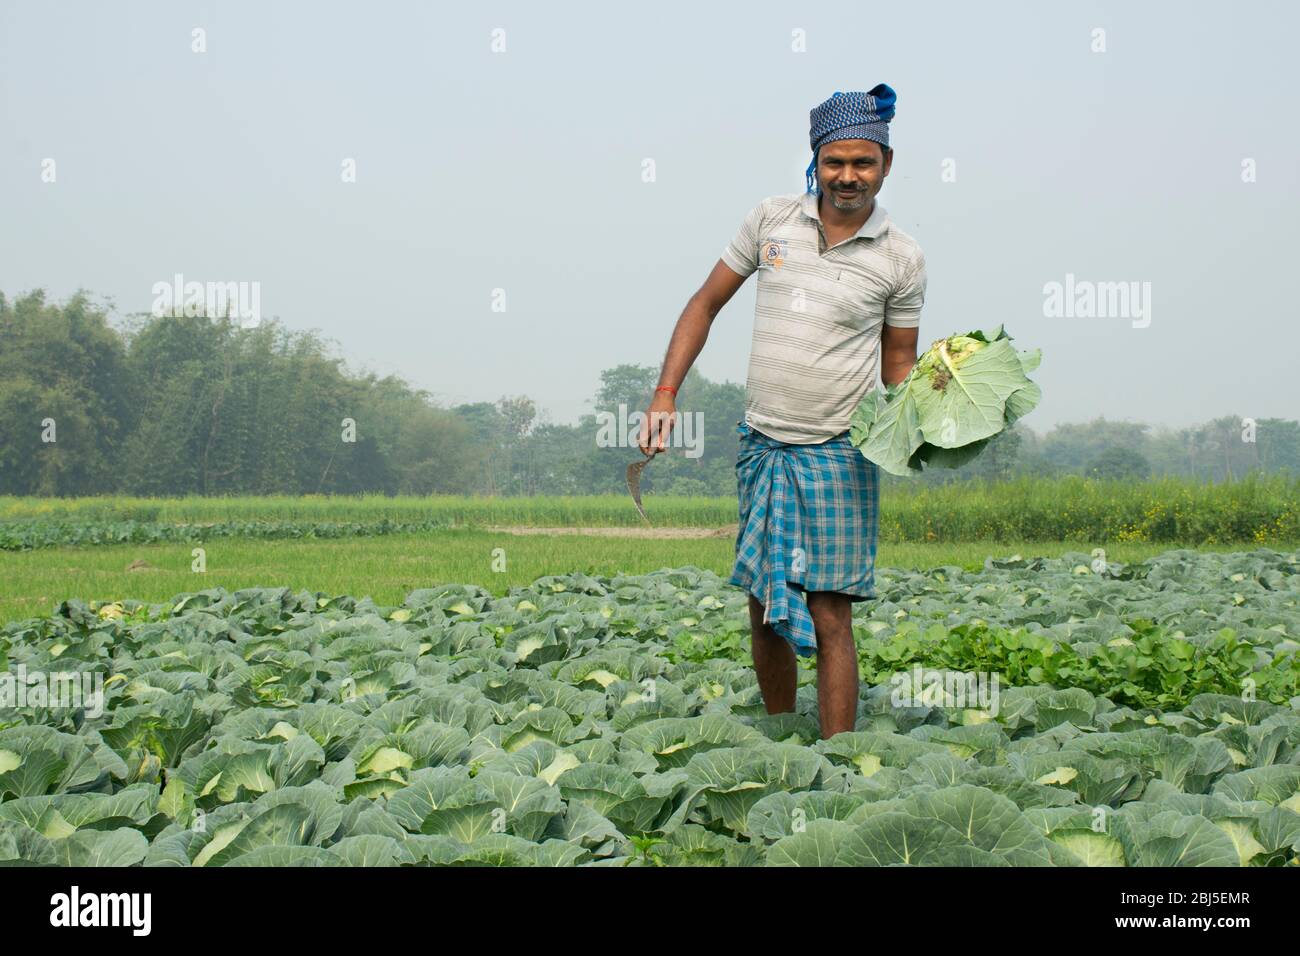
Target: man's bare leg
<point>773,663</point>
<point>837,661</point>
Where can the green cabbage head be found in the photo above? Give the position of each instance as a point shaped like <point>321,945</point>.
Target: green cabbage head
<point>959,394</point>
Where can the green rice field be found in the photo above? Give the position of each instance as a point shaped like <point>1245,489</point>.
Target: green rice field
<point>1254,511</point>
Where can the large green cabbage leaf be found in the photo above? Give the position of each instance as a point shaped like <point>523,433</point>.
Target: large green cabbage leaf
<point>963,391</point>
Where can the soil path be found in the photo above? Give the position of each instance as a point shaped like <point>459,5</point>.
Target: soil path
<point>728,531</point>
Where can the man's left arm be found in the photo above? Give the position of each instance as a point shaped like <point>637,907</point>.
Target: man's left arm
<point>902,324</point>
<point>897,353</point>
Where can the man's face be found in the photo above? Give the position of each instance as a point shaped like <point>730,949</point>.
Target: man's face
<point>851,171</point>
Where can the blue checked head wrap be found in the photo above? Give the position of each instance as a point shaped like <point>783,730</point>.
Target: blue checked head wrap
<point>849,116</point>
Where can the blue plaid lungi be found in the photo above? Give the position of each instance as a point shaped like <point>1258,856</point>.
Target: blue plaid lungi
<point>808,522</point>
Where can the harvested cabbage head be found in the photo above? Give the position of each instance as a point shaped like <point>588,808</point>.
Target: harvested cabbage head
<point>959,394</point>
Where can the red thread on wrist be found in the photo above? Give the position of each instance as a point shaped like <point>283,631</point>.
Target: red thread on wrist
<point>667,388</point>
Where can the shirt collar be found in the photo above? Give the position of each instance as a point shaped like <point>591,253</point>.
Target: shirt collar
<point>871,229</point>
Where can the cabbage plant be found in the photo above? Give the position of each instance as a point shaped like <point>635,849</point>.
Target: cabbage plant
<point>959,394</point>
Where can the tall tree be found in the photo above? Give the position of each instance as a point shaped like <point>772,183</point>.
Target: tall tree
<point>63,406</point>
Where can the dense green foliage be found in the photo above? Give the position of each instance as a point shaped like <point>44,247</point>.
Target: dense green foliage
<point>615,721</point>
<point>200,406</point>
<point>1255,510</point>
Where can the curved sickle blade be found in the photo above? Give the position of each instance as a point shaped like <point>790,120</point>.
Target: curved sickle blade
<point>634,483</point>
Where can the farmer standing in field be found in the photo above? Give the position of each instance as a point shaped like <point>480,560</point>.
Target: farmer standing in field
<point>840,290</point>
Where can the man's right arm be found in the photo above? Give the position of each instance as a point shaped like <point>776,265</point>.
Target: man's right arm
<point>738,262</point>
<point>689,336</point>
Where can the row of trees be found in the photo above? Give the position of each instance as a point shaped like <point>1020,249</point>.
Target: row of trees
<point>196,405</point>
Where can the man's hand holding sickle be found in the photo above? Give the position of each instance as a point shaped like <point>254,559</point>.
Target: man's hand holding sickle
<point>653,439</point>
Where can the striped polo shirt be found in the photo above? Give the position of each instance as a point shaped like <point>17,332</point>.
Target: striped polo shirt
<point>819,313</point>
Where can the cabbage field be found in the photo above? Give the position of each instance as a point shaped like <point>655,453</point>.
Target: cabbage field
<point>1146,715</point>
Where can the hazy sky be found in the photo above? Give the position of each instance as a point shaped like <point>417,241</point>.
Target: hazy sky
<point>522,170</point>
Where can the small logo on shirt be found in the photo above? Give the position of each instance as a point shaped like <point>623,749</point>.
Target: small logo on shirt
<point>774,253</point>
